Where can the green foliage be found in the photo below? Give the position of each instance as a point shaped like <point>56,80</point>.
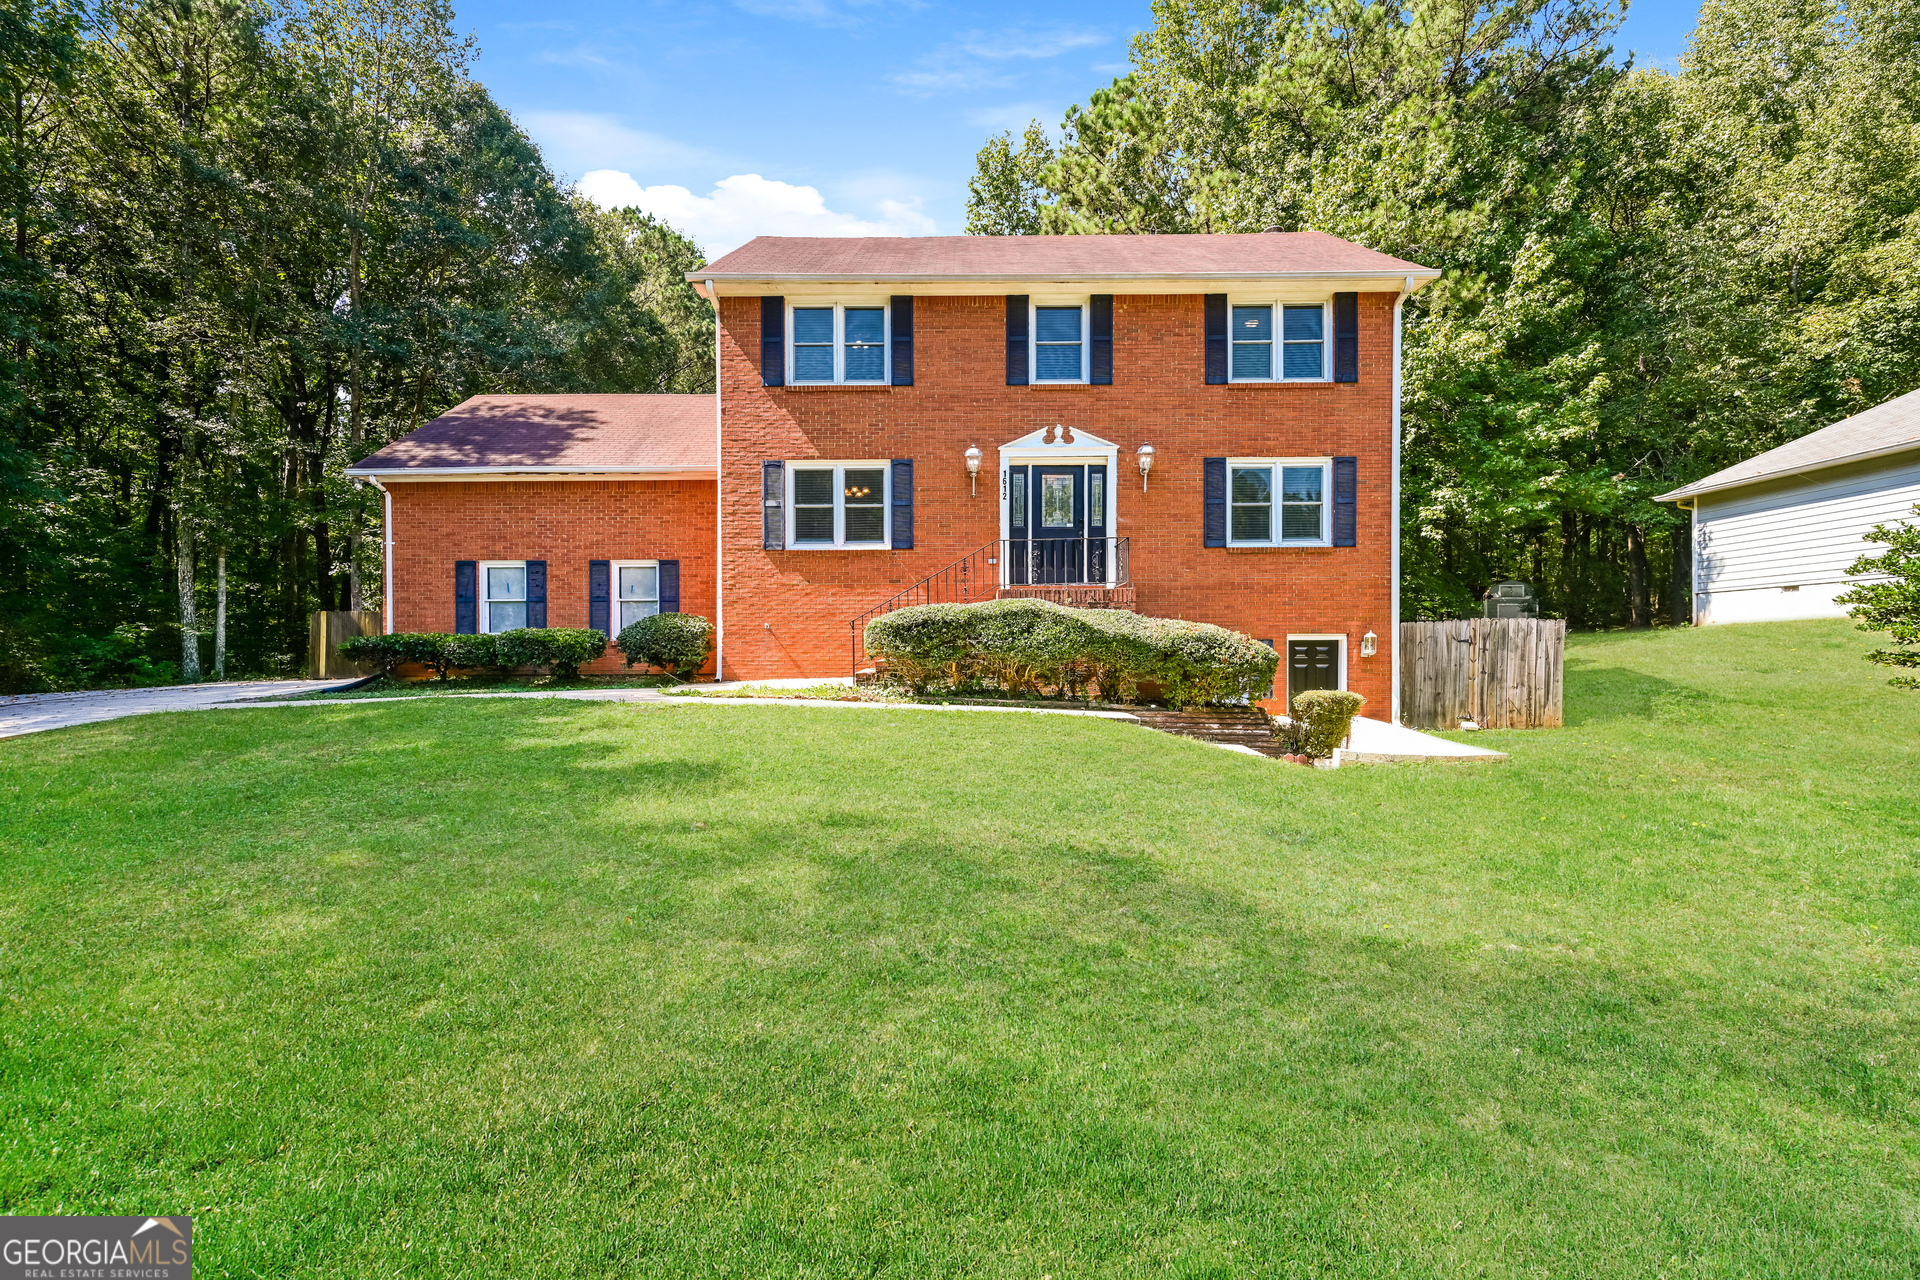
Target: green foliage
<point>561,650</point>
<point>1322,719</point>
<point>469,652</point>
<point>677,643</point>
<point>1892,605</point>
<point>437,651</point>
<point>1032,646</point>
<point>1004,195</point>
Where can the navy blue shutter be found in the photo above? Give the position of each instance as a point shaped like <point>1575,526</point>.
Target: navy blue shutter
<point>1346,500</point>
<point>1346,337</point>
<point>902,340</point>
<point>466,589</point>
<point>773,342</point>
<point>1016,339</point>
<point>1214,525</point>
<point>598,596</point>
<point>903,504</point>
<point>1100,355</point>
<point>773,506</point>
<point>669,586</point>
<point>536,593</point>
<point>1216,343</point>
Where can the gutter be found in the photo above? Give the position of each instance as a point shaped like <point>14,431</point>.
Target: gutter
<point>1408,286</point>
<point>452,473</point>
<point>719,505</point>
<point>1042,277</point>
<point>386,556</point>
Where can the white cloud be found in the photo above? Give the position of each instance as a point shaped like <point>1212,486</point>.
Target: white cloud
<point>747,205</point>
<point>574,141</point>
<point>1015,116</point>
<point>581,55</point>
<point>976,60</point>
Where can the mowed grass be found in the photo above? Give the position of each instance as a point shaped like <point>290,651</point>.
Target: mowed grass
<point>510,988</point>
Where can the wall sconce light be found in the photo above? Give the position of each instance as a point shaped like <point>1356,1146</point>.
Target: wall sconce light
<point>1146,464</point>
<point>973,468</point>
<point>1369,645</point>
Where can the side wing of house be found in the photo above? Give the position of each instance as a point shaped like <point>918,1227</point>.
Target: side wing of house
<point>1779,551</point>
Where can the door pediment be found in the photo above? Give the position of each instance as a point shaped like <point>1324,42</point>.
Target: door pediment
<point>1060,439</point>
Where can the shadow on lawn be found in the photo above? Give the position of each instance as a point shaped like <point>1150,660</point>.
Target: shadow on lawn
<point>1600,695</point>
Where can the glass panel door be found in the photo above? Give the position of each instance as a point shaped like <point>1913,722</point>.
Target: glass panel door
<point>1059,508</point>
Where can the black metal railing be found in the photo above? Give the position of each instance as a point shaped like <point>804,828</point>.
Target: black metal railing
<point>1009,562</point>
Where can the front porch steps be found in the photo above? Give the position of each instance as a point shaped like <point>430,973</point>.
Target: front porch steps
<point>1236,726</point>
<point>1075,595</point>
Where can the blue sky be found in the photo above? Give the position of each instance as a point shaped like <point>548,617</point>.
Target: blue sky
<point>736,118</point>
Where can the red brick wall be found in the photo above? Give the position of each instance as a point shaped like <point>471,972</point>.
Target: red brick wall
<point>787,612</point>
<point>564,522</point>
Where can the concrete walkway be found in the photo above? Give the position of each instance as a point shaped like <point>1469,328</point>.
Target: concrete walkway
<point>34,712</point>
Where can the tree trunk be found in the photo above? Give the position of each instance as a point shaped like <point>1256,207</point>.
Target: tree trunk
<point>220,617</point>
<point>354,422</point>
<point>1680,592</point>
<point>189,614</point>
<point>1639,614</point>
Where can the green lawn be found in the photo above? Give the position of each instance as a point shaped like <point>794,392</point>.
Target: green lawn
<point>531,988</point>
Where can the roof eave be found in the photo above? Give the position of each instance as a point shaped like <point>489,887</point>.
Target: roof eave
<point>455,473</point>
<point>1700,487</point>
<point>1406,276</point>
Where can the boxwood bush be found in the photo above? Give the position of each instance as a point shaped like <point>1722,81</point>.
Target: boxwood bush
<point>1032,646</point>
<point>1321,718</point>
<point>674,642</point>
<point>436,651</point>
<point>561,650</point>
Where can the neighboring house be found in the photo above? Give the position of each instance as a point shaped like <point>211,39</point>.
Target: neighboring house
<point>1773,535</point>
<point>1259,373</point>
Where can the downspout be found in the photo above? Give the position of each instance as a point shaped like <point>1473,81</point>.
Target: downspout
<point>719,506</point>
<point>386,557</point>
<point>1394,621</point>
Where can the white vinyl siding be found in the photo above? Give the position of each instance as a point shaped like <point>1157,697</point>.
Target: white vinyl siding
<point>1803,536</point>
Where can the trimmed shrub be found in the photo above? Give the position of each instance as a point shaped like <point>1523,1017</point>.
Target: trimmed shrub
<point>674,642</point>
<point>434,650</point>
<point>468,653</point>
<point>1322,718</point>
<point>1027,646</point>
<point>561,650</point>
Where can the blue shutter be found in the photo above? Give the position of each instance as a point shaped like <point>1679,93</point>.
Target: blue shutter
<point>669,586</point>
<point>1016,339</point>
<point>1346,500</point>
<point>1100,353</point>
<point>773,506</point>
<point>903,504</point>
<point>466,590</point>
<point>1216,344</point>
<point>1346,337</point>
<point>902,340</point>
<point>1214,525</point>
<point>773,342</point>
<point>536,593</point>
<point>599,596</point>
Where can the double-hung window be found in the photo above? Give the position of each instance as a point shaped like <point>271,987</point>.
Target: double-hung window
<point>1274,502</point>
<point>1059,342</point>
<point>837,504</point>
<point>504,589</point>
<point>838,343</point>
<point>636,589</point>
<point>1279,342</point>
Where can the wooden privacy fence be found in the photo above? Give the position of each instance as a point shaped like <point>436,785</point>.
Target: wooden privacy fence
<point>1500,673</point>
<point>325,632</point>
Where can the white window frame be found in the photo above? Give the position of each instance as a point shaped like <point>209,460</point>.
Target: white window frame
<point>486,603</point>
<point>839,379</point>
<point>1286,661</point>
<point>840,469</point>
<point>1278,307</point>
<point>1033,340</point>
<point>1326,502</point>
<point>613,587</point>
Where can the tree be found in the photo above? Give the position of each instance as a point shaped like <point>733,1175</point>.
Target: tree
<point>1893,604</point>
<point>1005,193</point>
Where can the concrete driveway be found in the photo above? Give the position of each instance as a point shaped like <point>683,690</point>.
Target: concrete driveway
<point>34,712</point>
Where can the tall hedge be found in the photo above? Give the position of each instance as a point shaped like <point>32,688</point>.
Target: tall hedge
<point>1027,646</point>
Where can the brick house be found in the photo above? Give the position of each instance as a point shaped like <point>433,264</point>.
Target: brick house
<point>1199,426</point>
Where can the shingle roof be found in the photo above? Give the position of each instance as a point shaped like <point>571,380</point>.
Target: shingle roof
<point>1885,428</point>
<point>1262,254</point>
<point>596,433</point>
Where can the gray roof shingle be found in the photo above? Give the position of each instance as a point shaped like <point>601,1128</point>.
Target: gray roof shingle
<point>570,433</point>
<point>1885,428</point>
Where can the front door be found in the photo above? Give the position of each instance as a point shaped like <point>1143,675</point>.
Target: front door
<point>1312,664</point>
<point>1057,515</point>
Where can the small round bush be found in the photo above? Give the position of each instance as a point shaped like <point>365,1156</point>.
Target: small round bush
<point>561,650</point>
<point>427,648</point>
<point>1324,717</point>
<point>674,642</point>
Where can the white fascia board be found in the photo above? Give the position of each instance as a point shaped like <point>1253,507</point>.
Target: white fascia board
<point>1139,283</point>
<point>1866,455</point>
<point>393,475</point>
